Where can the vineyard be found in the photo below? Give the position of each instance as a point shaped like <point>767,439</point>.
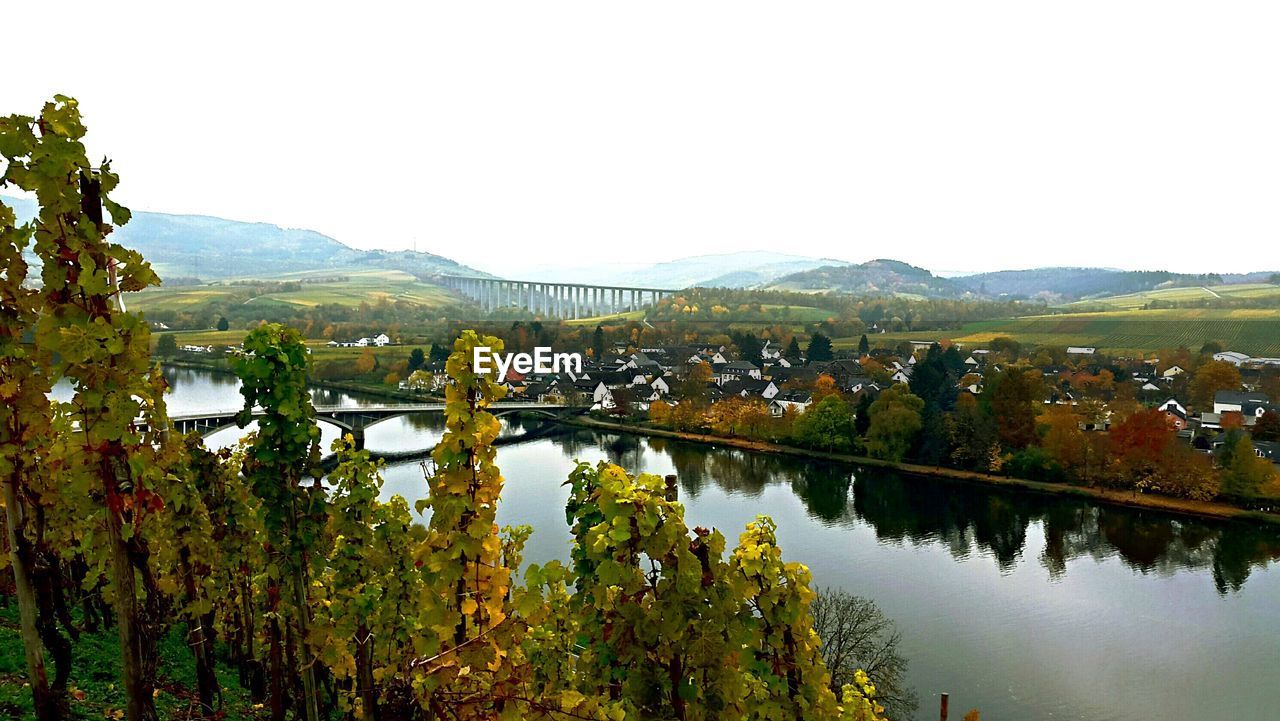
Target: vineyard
<point>313,595</point>
<point>1192,294</point>
<point>1255,332</point>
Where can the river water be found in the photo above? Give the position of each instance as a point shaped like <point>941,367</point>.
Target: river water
<point>1024,605</point>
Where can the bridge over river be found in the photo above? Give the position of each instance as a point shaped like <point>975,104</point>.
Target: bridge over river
<point>355,420</point>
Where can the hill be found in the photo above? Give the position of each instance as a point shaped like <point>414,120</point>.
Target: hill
<point>1200,295</point>
<point>1252,331</point>
<point>1056,285</point>
<point>209,248</point>
<point>875,277</point>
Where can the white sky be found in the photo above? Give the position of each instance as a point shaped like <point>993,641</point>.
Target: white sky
<point>956,136</point>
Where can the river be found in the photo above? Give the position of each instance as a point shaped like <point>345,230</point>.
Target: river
<point>1024,605</point>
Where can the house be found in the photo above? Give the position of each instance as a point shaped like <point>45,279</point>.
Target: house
<point>858,384</point>
<point>770,351</point>
<point>1231,357</point>
<point>1081,350</point>
<point>791,400</point>
<point>902,376</point>
<point>1173,372</point>
<point>381,339</point>
<point>750,388</point>
<point>1269,450</point>
<point>602,397</point>
<point>1250,404</point>
<point>737,370</point>
<point>1176,416</point>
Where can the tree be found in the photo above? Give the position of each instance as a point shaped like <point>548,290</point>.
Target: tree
<point>826,426</point>
<point>464,555</point>
<point>417,359</point>
<point>864,346</point>
<point>597,343</point>
<point>693,387</point>
<point>1005,346</point>
<point>26,427</point>
<point>793,349</point>
<point>103,351</point>
<point>862,415</point>
<point>819,348</point>
<point>895,421</point>
<point>1267,427</point>
<point>971,434</point>
<point>1137,445</point>
<point>167,346</point>
<point>1013,396</point>
<point>1211,377</point>
<point>856,635</point>
<point>367,362</point>
<point>1211,347</point>
<point>1244,471</point>
<point>223,323</point>
<point>749,347</point>
<point>273,377</point>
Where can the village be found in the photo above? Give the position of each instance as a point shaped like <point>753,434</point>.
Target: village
<point>1202,396</point>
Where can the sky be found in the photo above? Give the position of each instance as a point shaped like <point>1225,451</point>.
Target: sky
<point>508,135</point>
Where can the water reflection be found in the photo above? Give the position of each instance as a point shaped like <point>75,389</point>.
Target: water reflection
<point>964,518</point>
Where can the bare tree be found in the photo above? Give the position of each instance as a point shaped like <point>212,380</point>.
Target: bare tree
<point>857,635</point>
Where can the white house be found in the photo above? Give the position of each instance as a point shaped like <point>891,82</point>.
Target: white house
<point>381,339</point>
<point>1080,350</point>
<point>738,370</point>
<point>1173,372</point>
<point>791,400</point>
<point>1250,404</point>
<point>1231,357</point>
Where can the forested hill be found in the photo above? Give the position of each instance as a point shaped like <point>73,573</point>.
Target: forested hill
<point>1053,285</point>
<point>875,277</point>
<point>1064,284</point>
<point>209,248</point>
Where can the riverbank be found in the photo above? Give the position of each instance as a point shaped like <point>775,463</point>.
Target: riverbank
<point>1201,509</point>
<point>373,389</point>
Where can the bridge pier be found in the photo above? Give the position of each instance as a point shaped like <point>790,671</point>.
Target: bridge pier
<point>565,301</point>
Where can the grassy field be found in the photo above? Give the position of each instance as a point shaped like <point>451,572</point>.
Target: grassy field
<point>1256,332</point>
<point>363,286</point>
<point>614,318</point>
<point>1179,295</point>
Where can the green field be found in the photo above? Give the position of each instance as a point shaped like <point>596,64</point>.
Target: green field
<point>1180,295</point>
<point>363,286</point>
<point>1256,332</point>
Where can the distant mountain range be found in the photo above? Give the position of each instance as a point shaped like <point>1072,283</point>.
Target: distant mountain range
<point>208,248</point>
